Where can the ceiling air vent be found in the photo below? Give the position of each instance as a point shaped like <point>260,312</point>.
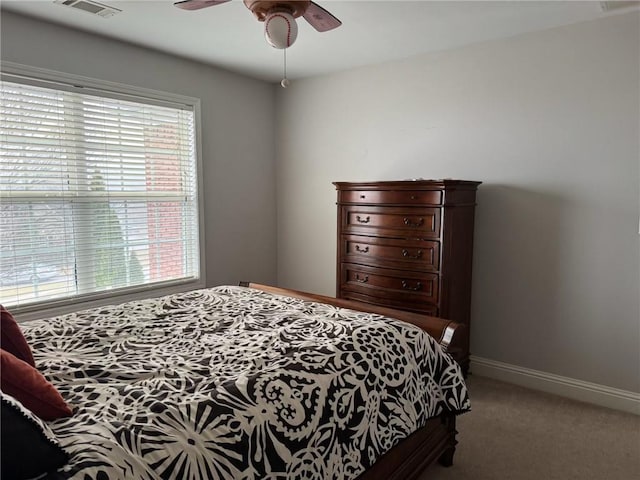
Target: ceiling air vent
<point>617,5</point>
<point>90,6</point>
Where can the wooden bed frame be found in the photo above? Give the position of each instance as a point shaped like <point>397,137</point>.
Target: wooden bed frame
<point>437,439</point>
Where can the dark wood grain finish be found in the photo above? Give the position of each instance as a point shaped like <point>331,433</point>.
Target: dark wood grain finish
<point>393,197</point>
<point>408,254</point>
<point>395,303</point>
<point>410,286</point>
<point>391,221</point>
<point>408,245</point>
<point>436,441</point>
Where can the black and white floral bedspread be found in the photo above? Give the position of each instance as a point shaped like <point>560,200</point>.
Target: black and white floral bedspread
<point>234,383</point>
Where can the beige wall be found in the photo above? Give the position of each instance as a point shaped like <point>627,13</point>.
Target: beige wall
<point>549,121</point>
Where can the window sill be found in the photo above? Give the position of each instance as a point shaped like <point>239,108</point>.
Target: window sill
<point>63,307</point>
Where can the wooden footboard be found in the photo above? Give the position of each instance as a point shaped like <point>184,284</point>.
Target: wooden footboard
<point>408,460</point>
<point>451,335</point>
<point>437,439</point>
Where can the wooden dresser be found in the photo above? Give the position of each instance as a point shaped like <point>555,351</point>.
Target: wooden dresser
<point>408,245</point>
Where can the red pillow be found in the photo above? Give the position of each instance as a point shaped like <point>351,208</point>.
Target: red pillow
<point>29,387</point>
<point>11,338</point>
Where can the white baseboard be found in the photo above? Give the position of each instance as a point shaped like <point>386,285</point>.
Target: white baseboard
<point>564,386</point>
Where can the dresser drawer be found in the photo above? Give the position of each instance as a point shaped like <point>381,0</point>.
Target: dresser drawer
<point>409,305</point>
<point>391,221</point>
<point>391,197</point>
<point>408,245</point>
<point>391,253</point>
<point>389,283</point>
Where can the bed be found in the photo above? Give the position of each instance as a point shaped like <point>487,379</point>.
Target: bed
<point>249,382</point>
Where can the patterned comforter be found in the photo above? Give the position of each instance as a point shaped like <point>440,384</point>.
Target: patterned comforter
<point>235,383</point>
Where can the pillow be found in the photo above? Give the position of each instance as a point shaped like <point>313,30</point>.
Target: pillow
<point>29,387</point>
<point>11,338</point>
<point>27,447</point>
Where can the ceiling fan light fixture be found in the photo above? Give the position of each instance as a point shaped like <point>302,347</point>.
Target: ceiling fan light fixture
<point>280,29</point>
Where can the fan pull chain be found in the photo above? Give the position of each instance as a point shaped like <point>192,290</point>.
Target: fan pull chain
<point>285,81</point>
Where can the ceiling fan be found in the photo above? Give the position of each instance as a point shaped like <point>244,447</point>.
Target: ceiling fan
<point>280,27</point>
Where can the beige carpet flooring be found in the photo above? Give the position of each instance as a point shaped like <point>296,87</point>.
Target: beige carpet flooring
<point>520,434</point>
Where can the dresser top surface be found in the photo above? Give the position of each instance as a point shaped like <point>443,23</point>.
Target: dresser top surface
<point>407,184</point>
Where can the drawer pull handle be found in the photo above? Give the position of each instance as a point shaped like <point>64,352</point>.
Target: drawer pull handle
<point>363,196</point>
<point>363,220</point>
<point>360,279</point>
<point>405,253</point>
<point>413,197</point>
<point>362,250</point>
<point>406,286</point>
<point>408,222</point>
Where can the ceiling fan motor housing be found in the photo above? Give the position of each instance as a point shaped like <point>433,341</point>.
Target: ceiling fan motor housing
<point>262,8</point>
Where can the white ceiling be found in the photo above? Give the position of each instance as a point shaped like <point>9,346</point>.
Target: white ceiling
<point>228,36</point>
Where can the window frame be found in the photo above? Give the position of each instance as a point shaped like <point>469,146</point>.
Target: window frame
<point>25,74</point>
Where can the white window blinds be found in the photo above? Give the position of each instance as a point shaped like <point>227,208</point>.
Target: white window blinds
<point>96,193</point>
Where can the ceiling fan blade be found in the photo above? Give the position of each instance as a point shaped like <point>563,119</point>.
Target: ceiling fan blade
<point>198,4</point>
<point>320,19</point>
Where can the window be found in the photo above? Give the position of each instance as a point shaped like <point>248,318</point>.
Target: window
<point>98,192</point>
